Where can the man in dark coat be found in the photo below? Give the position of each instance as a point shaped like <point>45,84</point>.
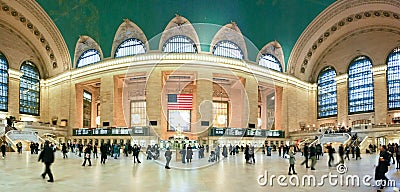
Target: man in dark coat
<point>87,152</point>
<point>103,151</point>
<point>305,153</point>
<point>47,157</point>
<point>135,152</point>
<point>330,152</point>
<point>382,168</point>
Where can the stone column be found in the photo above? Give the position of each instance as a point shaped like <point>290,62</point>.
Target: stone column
<point>13,92</point>
<point>252,99</point>
<point>279,117</point>
<point>204,99</point>
<point>153,101</point>
<point>380,94</point>
<point>107,99</point>
<point>342,99</point>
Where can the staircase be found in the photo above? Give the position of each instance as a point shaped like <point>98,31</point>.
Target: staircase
<point>342,138</point>
<point>13,136</point>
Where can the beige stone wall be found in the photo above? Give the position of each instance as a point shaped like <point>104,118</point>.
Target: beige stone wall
<point>107,99</point>
<point>298,109</point>
<point>252,100</point>
<point>153,101</point>
<point>204,98</point>
<point>13,99</point>
<point>380,98</point>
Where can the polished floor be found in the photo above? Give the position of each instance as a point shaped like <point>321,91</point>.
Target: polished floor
<point>21,172</point>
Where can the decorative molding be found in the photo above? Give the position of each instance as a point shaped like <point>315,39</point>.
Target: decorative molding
<point>179,26</point>
<point>326,16</point>
<point>163,59</point>
<point>230,32</point>
<point>15,74</point>
<point>379,69</point>
<point>341,78</point>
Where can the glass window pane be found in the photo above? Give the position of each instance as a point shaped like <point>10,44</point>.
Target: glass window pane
<point>179,44</point>
<point>360,86</point>
<point>393,79</point>
<point>3,83</point>
<point>130,47</point>
<point>228,49</point>
<point>271,62</point>
<point>327,103</point>
<point>29,91</point>
<point>88,57</point>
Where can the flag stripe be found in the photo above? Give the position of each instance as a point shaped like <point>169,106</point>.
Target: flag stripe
<point>183,101</point>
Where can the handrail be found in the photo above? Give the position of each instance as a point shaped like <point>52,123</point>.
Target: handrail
<point>9,140</point>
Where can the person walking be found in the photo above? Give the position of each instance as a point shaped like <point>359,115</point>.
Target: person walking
<point>397,156</point>
<point>330,152</point>
<point>135,153</point>
<point>318,149</point>
<point>217,152</point>
<point>251,154</point>
<point>341,154</point>
<point>306,154</point>
<point>358,152</point>
<point>3,150</point>
<point>224,151</point>
<point>189,154</point>
<point>183,153</point>
<point>86,155</point>
<point>382,168</point>
<point>347,152</point>
<point>95,151</point>
<point>168,157</point>
<point>47,157</point>
<point>313,153</point>
<point>64,151</point>
<point>292,159</point>
<point>103,151</point>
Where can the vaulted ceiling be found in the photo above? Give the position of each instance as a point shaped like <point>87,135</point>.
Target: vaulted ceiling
<point>261,21</point>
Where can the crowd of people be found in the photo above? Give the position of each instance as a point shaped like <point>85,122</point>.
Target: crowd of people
<point>388,155</point>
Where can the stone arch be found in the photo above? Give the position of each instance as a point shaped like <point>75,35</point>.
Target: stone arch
<point>83,44</point>
<point>275,49</point>
<point>125,31</point>
<point>230,32</point>
<point>179,26</point>
<point>334,27</point>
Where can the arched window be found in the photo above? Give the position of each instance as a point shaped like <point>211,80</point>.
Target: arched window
<point>88,57</point>
<point>361,85</point>
<point>327,97</point>
<point>179,44</point>
<point>130,46</point>
<point>271,62</point>
<point>393,79</point>
<point>228,49</point>
<point>3,83</point>
<point>29,89</point>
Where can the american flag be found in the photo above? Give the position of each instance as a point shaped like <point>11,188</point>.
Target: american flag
<point>180,101</point>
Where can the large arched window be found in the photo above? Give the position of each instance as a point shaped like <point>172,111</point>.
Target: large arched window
<point>179,44</point>
<point>393,79</point>
<point>228,49</point>
<point>361,85</point>
<point>327,97</point>
<point>88,57</point>
<point>29,89</point>
<point>270,61</point>
<point>3,83</point>
<point>130,46</point>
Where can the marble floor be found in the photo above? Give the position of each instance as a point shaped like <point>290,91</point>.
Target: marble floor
<point>21,172</point>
